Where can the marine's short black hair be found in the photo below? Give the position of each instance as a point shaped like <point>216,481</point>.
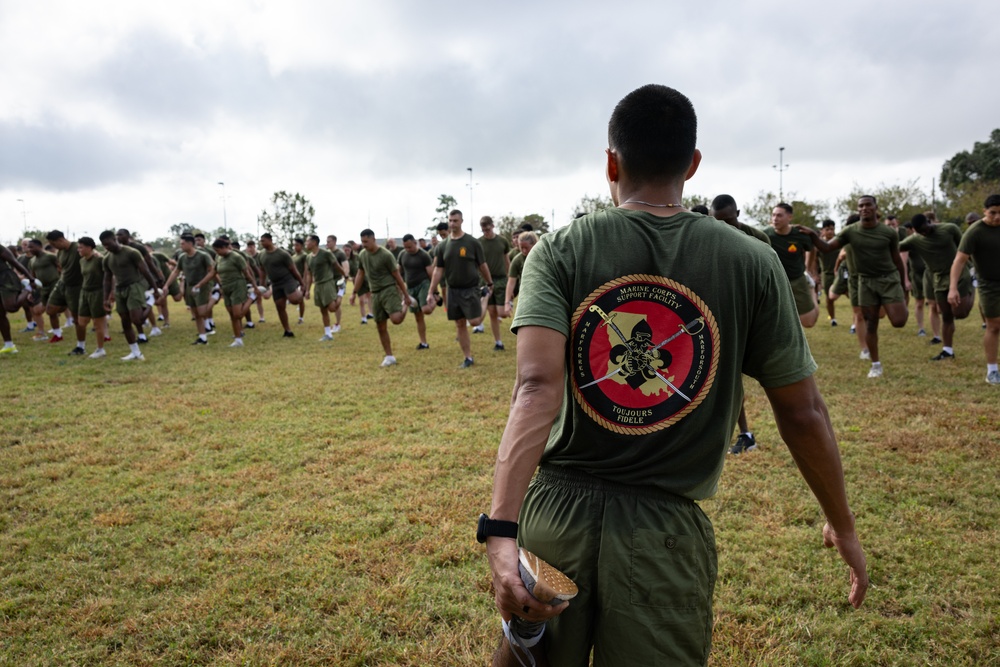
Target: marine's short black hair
<point>408,237</point>
<point>187,237</point>
<point>367,232</point>
<point>919,221</point>
<point>55,235</point>
<point>653,130</point>
<point>314,237</point>
<point>442,226</point>
<point>106,234</point>
<point>87,241</point>
<point>991,201</point>
<point>722,201</point>
<point>828,223</point>
<point>220,243</point>
<point>700,208</point>
<point>785,206</point>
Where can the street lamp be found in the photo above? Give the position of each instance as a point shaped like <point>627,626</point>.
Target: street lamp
<point>24,216</point>
<point>471,217</point>
<point>225,224</point>
<point>782,168</point>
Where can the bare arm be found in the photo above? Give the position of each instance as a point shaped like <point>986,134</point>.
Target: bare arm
<point>898,261</point>
<point>804,425</point>
<point>435,280</point>
<point>537,397</point>
<point>954,298</point>
<point>821,245</point>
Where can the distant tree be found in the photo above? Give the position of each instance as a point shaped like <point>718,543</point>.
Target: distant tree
<point>967,199</point>
<point>588,204</point>
<point>292,217</point>
<point>445,203</point>
<point>168,245</point>
<point>692,200</point>
<point>807,213</point>
<point>982,163</point>
<point>508,223</point>
<point>903,201</point>
<point>182,228</point>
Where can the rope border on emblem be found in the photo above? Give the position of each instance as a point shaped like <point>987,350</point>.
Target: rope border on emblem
<point>713,327</point>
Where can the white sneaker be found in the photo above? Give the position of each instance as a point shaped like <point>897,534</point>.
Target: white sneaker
<point>479,329</point>
<point>300,321</point>
<point>100,354</point>
<point>336,328</point>
<point>134,357</point>
<point>865,355</point>
<point>237,342</point>
<point>389,361</point>
<point>993,377</point>
<point>150,299</point>
<point>155,331</point>
<point>875,372</point>
<point>325,338</point>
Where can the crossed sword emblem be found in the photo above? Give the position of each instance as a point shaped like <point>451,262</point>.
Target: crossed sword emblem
<point>609,321</point>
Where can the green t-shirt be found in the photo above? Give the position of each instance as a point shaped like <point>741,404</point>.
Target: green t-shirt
<point>699,306</point>
<point>352,264</point>
<point>495,250</point>
<point>937,249</point>
<point>124,266</point>
<point>299,259</point>
<point>207,249</point>
<point>791,249</point>
<point>750,231</point>
<point>378,267</point>
<point>163,262</point>
<point>460,259</point>
<point>194,267</point>
<point>415,266</point>
<point>46,268</point>
<point>92,273</point>
<point>275,264</point>
<point>514,252</point>
<point>827,260</point>
<point>982,242</point>
<point>69,262</point>
<point>517,266</point>
<point>873,248</point>
<point>230,268</point>
<point>322,266</point>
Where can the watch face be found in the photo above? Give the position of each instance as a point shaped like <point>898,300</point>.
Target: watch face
<point>481,529</point>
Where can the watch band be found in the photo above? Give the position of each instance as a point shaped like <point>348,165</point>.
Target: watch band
<point>495,528</point>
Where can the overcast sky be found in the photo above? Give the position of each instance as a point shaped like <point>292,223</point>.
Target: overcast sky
<point>130,113</point>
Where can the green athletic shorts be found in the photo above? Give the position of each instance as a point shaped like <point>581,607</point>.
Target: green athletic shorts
<point>385,302</point>
<point>464,303</point>
<point>324,293</point>
<point>419,294</point>
<point>364,287</point>
<point>200,299</point>
<point>644,561</point>
<point>942,282</point>
<point>66,296</point>
<point>10,282</point>
<point>804,293</point>
<point>174,289</point>
<point>917,285</point>
<point>927,284</point>
<point>130,298</point>
<point>840,285</point>
<point>989,298</point>
<point>879,290</point>
<point>45,293</point>
<point>499,292</point>
<point>235,293</point>
<point>828,279</point>
<point>92,303</point>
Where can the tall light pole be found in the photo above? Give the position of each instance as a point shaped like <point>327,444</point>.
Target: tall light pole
<point>225,223</point>
<point>782,168</point>
<point>24,215</point>
<point>471,217</point>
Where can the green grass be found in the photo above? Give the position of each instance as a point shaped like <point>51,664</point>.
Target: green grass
<point>293,503</point>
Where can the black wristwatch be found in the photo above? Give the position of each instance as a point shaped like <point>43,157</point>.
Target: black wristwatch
<point>494,528</point>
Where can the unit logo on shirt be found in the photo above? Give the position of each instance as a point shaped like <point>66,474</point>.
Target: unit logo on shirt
<point>645,353</point>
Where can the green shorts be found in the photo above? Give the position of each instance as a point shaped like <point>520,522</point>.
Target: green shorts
<point>942,283</point>
<point>828,279</point>
<point>364,287</point>
<point>200,299</point>
<point>464,303</point>
<point>804,292</point>
<point>989,298</point>
<point>385,302</point>
<point>92,303</point>
<point>45,293</point>
<point>130,298</point>
<point>10,283</point>
<point>325,293</point>
<point>879,290</point>
<point>840,284</point>
<point>499,292</point>
<point>66,296</point>
<point>174,289</point>
<point>235,294</point>
<point>917,285</point>
<point>644,561</point>
<point>282,290</point>
<point>419,294</point>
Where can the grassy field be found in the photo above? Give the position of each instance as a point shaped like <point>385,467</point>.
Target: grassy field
<point>291,503</point>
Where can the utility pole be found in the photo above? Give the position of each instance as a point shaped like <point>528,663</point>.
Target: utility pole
<point>24,215</point>
<point>471,187</point>
<point>225,223</point>
<point>782,168</point>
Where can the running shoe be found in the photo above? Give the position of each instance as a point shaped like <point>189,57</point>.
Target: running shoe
<point>288,334</point>
<point>833,323</point>
<point>77,352</point>
<point>100,354</point>
<point>744,443</point>
<point>134,357</point>
<point>467,363</point>
<point>13,350</point>
<point>423,346</point>
<point>199,341</point>
<point>546,584</point>
<point>993,377</point>
<point>248,325</point>
<point>29,328</point>
<point>865,355</point>
<point>388,361</point>
<point>934,341</point>
<point>336,328</point>
<point>364,320</point>
<point>39,338</point>
<point>875,372</point>
<point>921,333</point>
<point>55,339</point>
<point>942,355</point>
<point>498,347</point>
<point>325,338</point>
<point>155,331</point>
<point>370,316</point>
<point>854,329</point>
<point>237,342</point>
<point>479,329</point>
<point>300,321</point>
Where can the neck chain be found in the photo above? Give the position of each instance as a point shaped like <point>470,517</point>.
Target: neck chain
<point>646,203</point>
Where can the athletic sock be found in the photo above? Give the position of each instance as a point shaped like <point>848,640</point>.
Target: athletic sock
<point>82,344</point>
<point>135,348</point>
<point>142,336</point>
<point>876,364</point>
<point>57,332</point>
<point>327,331</point>
<point>202,336</point>
<point>991,368</point>
<point>8,343</point>
<point>948,350</point>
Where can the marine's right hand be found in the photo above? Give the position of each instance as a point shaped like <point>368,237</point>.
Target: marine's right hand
<point>510,594</point>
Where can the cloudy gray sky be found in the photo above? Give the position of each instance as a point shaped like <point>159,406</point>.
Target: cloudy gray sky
<point>130,113</point>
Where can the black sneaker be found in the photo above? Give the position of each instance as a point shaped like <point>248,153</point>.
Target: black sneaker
<point>248,325</point>
<point>288,334</point>
<point>943,355</point>
<point>467,363</point>
<point>833,323</point>
<point>934,341</point>
<point>77,351</point>
<point>744,443</point>
<point>499,347</point>
<point>423,346</point>
<point>200,341</point>
<point>369,316</point>
<point>142,341</point>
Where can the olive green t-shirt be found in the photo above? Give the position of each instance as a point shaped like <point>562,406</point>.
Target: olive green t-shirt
<point>275,264</point>
<point>163,262</point>
<point>378,267</point>
<point>124,266</point>
<point>92,273</point>
<point>46,268</point>
<point>937,248</point>
<point>69,262</point>
<point>299,259</point>
<point>660,325</point>
<point>230,268</point>
<point>982,242</point>
<point>791,249</point>
<point>495,250</point>
<point>415,266</point>
<point>321,266</point>
<point>195,267</point>
<point>207,249</point>
<point>460,258</point>
<point>352,264</point>
<point>873,248</point>
<point>827,260</point>
<point>750,231</point>
<point>517,266</point>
